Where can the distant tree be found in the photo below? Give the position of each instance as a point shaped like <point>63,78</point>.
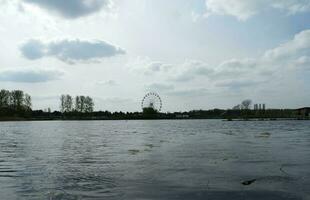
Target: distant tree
<point>4,98</point>
<point>62,103</point>
<point>78,104</point>
<point>89,104</point>
<point>17,99</point>
<point>27,102</point>
<point>68,103</point>
<point>246,104</point>
<point>81,103</point>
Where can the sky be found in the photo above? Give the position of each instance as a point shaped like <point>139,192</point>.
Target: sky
<point>198,54</point>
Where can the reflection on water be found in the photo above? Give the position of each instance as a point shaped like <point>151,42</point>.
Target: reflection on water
<point>194,159</point>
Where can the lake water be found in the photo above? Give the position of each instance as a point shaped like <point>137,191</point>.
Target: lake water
<point>185,159</point>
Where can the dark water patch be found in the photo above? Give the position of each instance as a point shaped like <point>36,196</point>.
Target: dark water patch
<point>230,133</point>
<point>254,161</point>
<point>7,171</point>
<point>149,145</point>
<point>147,150</point>
<point>134,151</point>
<point>248,182</point>
<point>87,161</point>
<point>263,135</point>
<point>9,176</point>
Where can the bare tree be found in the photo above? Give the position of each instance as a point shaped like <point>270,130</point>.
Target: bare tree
<point>82,103</point>
<point>246,104</point>
<point>62,103</point>
<point>89,104</point>
<point>17,99</point>
<point>27,102</point>
<point>68,103</point>
<point>78,103</point>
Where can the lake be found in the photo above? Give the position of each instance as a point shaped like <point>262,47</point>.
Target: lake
<point>155,159</point>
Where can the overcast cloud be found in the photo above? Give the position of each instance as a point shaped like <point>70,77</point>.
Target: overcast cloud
<point>244,9</point>
<point>195,54</point>
<point>30,75</point>
<point>237,74</point>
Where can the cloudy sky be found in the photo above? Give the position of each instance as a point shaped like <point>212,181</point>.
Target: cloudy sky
<point>197,54</point>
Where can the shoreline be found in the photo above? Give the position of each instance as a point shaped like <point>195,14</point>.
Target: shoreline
<point>137,119</point>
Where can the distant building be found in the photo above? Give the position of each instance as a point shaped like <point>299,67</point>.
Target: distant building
<point>303,112</point>
<point>255,107</point>
<point>182,116</point>
<point>259,106</point>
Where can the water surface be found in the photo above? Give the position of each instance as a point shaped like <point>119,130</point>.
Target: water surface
<point>171,159</point>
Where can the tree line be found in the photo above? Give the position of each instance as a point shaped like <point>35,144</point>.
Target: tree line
<point>17,104</point>
<point>83,104</point>
<point>15,99</point>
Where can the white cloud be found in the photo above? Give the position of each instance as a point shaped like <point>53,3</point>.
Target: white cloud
<point>292,6</point>
<point>235,68</point>
<point>304,62</point>
<point>192,69</point>
<point>299,46</point>
<point>148,67</point>
<point>275,65</point>
<point>244,9</point>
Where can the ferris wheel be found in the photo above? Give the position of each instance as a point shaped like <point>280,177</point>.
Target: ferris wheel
<point>151,100</point>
